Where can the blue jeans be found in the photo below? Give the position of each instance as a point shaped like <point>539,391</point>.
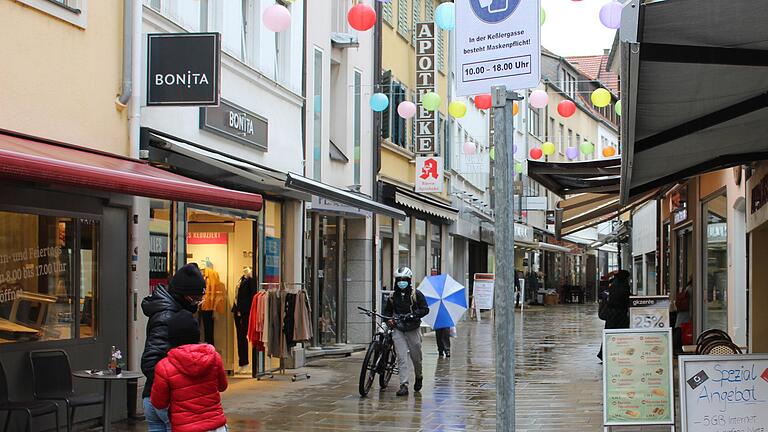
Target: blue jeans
<point>157,420</point>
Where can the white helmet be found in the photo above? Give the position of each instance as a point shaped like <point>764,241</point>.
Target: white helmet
<point>403,273</point>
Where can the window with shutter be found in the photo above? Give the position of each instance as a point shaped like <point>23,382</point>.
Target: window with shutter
<point>416,18</point>
<point>387,12</point>
<point>440,50</point>
<point>386,116</point>
<point>402,17</point>
<point>430,10</point>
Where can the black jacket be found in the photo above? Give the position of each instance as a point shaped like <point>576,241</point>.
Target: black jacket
<point>159,307</point>
<point>400,305</point>
<point>618,305</point>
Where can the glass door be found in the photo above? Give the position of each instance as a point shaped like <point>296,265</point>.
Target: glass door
<point>715,260</point>
<point>328,280</point>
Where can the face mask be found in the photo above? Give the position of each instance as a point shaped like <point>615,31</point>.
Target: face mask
<point>402,284</point>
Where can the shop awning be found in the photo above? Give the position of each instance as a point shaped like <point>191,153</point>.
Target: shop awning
<point>349,198</point>
<point>31,160</point>
<point>553,248</point>
<point>209,165</point>
<point>587,210</point>
<point>694,86</point>
<point>566,178</point>
<point>425,204</point>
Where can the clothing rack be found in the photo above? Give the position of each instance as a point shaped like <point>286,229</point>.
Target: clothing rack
<point>290,288</point>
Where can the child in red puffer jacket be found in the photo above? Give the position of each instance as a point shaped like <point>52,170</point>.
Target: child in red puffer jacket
<point>189,379</point>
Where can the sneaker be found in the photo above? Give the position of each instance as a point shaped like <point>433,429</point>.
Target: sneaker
<point>439,353</point>
<point>418,384</point>
<point>447,353</point>
<point>403,390</point>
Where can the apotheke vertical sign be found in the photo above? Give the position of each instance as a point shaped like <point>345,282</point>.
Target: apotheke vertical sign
<point>426,121</point>
<point>183,69</point>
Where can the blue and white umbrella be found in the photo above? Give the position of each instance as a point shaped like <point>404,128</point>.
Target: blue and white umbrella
<point>447,300</point>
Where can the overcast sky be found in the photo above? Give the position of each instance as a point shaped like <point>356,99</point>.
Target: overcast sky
<point>574,28</point>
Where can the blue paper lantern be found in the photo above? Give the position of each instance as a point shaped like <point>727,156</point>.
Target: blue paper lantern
<point>379,102</point>
<point>445,16</point>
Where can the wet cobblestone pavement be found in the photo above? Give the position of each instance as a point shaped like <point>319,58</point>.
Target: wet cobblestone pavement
<point>558,385</point>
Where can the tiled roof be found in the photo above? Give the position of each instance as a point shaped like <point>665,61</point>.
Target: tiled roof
<point>596,67</point>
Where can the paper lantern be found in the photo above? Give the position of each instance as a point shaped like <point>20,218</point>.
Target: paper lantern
<point>406,109</point>
<point>515,108</point>
<point>492,153</point>
<point>470,148</point>
<point>379,102</point>
<point>548,148</point>
<point>518,168</point>
<point>609,151</point>
<point>430,101</point>
<point>618,108</point>
<point>276,18</point>
<point>445,16</point>
<point>384,1</point>
<point>601,97</point>
<point>572,153</point>
<point>566,108</point>
<point>536,153</point>
<point>610,14</point>
<point>543,16</point>
<point>538,99</point>
<point>361,17</point>
<point>457,109</point>
<point>514,148</point>
<point>587,148</point>
<point>483,101</point>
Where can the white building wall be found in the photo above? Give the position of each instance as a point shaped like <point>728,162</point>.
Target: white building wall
<point>605,137</point>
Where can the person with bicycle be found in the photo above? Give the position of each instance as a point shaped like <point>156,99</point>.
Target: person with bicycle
<point>407,307</point>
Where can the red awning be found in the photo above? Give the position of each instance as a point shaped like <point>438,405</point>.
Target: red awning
<point>26,159</point>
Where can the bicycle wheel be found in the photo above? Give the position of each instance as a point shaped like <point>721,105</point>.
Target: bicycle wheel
<point>368,370</point>
<point>388,368</point>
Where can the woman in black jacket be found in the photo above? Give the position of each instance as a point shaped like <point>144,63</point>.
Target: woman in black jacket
<point>615,308</point>
<point>185,291</point>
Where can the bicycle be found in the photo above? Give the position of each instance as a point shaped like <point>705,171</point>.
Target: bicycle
<point>380,358</point>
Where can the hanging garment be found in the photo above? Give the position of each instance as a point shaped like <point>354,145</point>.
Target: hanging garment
<point>241,311</point>
<point>275,324</point>
<point>302,322</point>
<point>288,319</point>
<point>256,321</point>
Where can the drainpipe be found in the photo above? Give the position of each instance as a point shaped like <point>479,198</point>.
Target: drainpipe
<point>377,44</point>
<point>125,93</point>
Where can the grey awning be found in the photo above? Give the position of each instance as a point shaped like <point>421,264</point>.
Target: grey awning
<point>587,210</point>
<point>694,85</point>
<point>427,205</point>
<point>566,178</point>
<point>298,182</point>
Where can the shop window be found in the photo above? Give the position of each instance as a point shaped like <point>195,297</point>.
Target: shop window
<point>716,261</point>
<point>420,255</point>
<point>638,274</point>
<point>49,277</point>
<point>356,127</point>
<point>650,273</point>
<point>317,125</point>
<point>328,280</point>
<point>436,243</point>
<point>667,246</point>
<point>159,243</point>
<point>239,37</point>
<point>404,243</point>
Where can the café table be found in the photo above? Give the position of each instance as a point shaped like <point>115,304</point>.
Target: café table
<point>108,379</point>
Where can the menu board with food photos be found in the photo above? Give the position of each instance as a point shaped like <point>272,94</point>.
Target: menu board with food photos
<point>637,377</point>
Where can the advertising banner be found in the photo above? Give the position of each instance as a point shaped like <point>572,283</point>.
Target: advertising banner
<point>637,377</point>
<point>649,312</point>
<point>724,393</point>
<point>497,43</point>
<point>429,174</point>
<point>426,121</point>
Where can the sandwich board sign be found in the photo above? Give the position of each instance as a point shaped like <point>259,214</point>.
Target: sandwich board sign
<point>724,393</point>
<point>497,44</point>
<point>638,378</point>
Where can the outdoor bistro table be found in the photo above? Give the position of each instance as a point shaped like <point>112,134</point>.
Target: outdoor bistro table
<point>107,377</point>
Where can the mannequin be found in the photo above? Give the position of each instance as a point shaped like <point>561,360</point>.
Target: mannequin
<point>246,288</point>
<point>213,299</point>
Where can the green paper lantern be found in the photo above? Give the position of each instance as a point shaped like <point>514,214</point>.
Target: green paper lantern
<point>430,101</point>
<point>618,108</point>
<point>543,16</point>
<point>587,148</point>
<point>518,168</point>
<point>492,153</point>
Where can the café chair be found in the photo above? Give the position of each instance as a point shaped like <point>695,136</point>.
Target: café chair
<point>52,380</point>
<point>32,409</point>
<point>709,336</point>
<point>720,347</point>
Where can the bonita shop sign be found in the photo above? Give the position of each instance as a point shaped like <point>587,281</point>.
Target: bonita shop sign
<point>183,69</point>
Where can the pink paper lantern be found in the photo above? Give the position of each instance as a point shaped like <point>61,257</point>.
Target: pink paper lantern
<point>470,148</point>
<point>276,18</point>
<point>610,14</point>
<point>538,99</point>
<point>361,17</point>
<point>406,109</point>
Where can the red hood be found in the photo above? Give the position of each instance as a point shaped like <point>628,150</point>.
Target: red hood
<point>193,360</point>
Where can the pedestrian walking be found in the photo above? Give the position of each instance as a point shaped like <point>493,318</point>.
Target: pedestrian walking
<point>407,306</point>
<point>443,338</point>
<point>188,381</point>
<point>185,292</point>
<point>614,306</point>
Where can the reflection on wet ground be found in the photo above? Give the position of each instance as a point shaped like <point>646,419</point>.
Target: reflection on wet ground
<point>558,385</point>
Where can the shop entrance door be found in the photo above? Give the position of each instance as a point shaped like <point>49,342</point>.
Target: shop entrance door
<point>330,280</point>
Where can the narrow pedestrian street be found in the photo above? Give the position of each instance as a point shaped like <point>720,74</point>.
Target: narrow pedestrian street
<point>558,388</point>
